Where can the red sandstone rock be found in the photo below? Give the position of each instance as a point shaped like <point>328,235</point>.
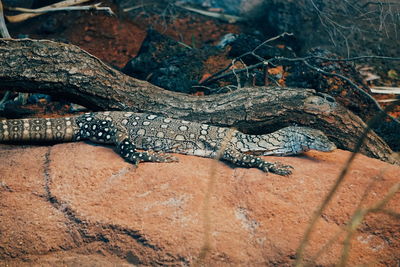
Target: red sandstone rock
<point>79,204</point>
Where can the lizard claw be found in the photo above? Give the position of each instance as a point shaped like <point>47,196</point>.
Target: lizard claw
<point>280,169</point>
<point>166,158</point>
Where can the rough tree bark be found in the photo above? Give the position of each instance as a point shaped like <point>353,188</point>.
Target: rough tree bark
<point>69,72</point>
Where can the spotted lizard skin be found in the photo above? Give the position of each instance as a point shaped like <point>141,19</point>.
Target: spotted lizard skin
<point>156,135</point>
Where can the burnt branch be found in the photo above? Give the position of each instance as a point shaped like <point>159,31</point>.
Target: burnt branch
<point>223,74</point>
<point>356,87</point>
<point>218,75</point>
<point>67,71</point>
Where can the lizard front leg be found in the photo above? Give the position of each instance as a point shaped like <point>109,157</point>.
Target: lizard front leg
<point>127,149</point>
<point>250,161</point>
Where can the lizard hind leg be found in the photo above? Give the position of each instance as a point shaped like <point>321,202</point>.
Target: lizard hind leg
<point>127,150</point>
<point>250,161</point>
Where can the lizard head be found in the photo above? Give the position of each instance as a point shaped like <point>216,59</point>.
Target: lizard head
<point>290,140</point>
<point>312,139</point>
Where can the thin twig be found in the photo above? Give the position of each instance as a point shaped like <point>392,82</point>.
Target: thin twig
<point>136,7</point>
<point>379,3</point>
<point>25,16</point>
<point>221,16</point>
<point>217,76</point>
<point>339,59</point>
<point>95,7</point>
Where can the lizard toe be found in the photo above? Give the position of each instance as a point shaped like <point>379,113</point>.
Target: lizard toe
<point>166,158</point>
<point>280,169</point>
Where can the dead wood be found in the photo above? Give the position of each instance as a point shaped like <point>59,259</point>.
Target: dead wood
<point>67,71</point>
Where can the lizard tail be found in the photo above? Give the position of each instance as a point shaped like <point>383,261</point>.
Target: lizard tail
<point>38,129</point>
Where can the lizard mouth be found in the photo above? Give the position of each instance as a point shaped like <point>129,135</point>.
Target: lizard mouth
<point>256,153</point>
<point>330,148</point>
<point>333,147</point>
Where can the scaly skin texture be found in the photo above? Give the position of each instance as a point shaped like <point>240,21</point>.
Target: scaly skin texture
<point>130,131</point>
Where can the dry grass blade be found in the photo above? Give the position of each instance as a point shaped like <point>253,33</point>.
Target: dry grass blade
<point>221,16</point>
<point>385,90</point>
<point>317,214</point>
<point>336,236</point>
<point>3,34</point>
<point>205,249</point>
<point>358,217</point>
<point>94,7</point>
<point>3,28</point>
<point>42,10</point>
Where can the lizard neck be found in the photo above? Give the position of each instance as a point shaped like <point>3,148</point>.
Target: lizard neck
<point>281,143</point>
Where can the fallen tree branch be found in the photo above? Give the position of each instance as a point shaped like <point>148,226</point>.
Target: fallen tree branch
<point>70,73</point>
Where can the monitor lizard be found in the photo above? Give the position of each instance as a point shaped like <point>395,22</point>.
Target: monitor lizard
<point>157,135</point>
